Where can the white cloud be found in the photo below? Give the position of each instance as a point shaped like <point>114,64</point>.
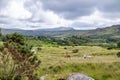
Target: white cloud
<point>30,14</point>
<point>46,18</point>
<point>15,9</point>
<point>95,20</point>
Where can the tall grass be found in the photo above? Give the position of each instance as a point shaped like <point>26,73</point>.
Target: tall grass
<point>99,71</point>
<point>104,65</point>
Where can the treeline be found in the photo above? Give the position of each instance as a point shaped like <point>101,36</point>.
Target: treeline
<point>67,41</point>
<point>78,40</point>
<point>97,40</point>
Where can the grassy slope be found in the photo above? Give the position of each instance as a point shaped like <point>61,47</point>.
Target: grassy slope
<point>104,65</point>
<point>110,31</point>
<point>39,43</point>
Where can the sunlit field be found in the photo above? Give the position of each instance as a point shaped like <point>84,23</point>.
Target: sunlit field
<point>59,40</point>
<point>102,65</point>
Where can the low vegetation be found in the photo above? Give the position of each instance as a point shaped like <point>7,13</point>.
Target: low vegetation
<point>103,65</point>
<point>19,63</point>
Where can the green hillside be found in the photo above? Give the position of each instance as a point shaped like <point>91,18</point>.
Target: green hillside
<point>113,31</point>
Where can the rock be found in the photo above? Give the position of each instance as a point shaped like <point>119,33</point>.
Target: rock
<point>78,76</point>
<point>43,77</point>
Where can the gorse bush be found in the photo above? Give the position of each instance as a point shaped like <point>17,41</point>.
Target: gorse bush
<point>24,63</point>
<point>118,44</point>
<point>75,51</point>
<point>118,54</point>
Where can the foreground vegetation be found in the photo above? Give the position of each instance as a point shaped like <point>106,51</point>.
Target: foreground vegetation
<point>17,62</point>
<point>103,65</point>
<point>99,71</point>
<point>57,61</point>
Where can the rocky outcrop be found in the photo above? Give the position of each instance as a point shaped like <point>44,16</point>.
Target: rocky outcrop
<point>78,76</point>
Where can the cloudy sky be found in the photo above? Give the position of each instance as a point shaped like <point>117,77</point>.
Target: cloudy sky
<point>79,14</point>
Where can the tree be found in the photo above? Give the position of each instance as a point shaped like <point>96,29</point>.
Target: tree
<point>118,44</point>
<point>24,62</point>
<point>118,54</point>
<point>0,33</point>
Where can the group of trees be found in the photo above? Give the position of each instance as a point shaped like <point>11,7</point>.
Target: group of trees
<point>80,40</point>
<point>17,61</point>
<point>67,41</point>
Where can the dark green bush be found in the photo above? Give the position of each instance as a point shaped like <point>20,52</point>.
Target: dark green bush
<point>65,48</point>
<point>75,51</point>
<point>118,54</point>
<point>17,57</point>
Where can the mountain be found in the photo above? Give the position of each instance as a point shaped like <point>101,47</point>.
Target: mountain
<point>57,29</point>
<point>113,31</point>
<point>106,31</point>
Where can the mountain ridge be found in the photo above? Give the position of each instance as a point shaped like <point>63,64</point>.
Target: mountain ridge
<point>66,31</point>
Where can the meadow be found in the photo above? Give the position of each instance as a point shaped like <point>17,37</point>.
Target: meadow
<point>103,65</point>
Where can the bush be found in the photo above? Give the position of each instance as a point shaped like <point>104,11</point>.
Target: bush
<point>39,48</point>
<point>118,44</point>
<point>118,54</point>
<point>75,51</point>
<point>65,48</point>
<point>17,60</point>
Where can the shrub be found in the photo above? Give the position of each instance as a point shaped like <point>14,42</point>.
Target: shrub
<point>39,48</point>
<point>75,51</point>
<point>118,54</point>
<point>118,44</point>
<point>18,61</point>
<point>65,48</point>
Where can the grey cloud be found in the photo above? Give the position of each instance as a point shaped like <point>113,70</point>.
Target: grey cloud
<point>4,20</point>
<point>82,25</point>
<point>109,6</point>
<point>70,8</point>
<point>34,7</point>
<point>3,3</point>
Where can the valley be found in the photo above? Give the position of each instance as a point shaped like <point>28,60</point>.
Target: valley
<point>94,53</point>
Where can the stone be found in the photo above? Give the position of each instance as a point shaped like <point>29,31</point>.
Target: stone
<point>43,77</point>
<point>78,76</point>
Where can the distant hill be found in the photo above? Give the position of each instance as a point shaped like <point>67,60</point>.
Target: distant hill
<point>57,29</point>
<point>113,31</point>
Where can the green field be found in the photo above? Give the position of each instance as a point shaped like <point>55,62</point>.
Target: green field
<point>103,65</point>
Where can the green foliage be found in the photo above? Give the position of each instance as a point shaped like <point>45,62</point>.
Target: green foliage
<point>65,47</point>
<point>39,48</point>
<point>118,54</point>
<point>75,51</point>
<point>24,63</point>
<point>0,32</point>
<point>17,41</point>
<point>118,44</point>
<point>98,71</point>
<point>16,38</point>
<point>67,41</point>
<point>108,31</point>
<point>104,41</point>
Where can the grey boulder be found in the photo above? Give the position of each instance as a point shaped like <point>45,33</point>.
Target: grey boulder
<point>78,76</point>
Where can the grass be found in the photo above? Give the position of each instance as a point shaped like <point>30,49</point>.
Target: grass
<point>104,65</point>
<point>91,50</point>
<point>1,44</point>
<point>38,43</point>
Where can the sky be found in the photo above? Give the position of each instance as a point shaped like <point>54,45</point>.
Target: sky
<point>78,14</point>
